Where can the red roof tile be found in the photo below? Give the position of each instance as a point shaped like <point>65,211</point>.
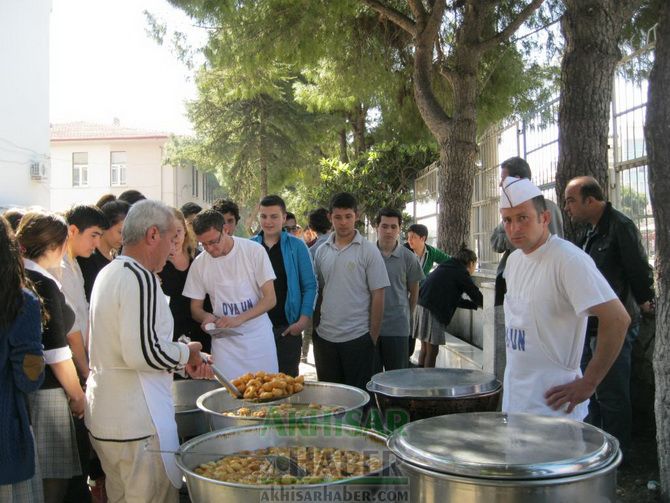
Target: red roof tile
<point>88,131</point>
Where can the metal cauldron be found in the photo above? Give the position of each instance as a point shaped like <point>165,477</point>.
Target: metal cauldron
<point>500,458</point>
<point>211,446</point>
<point>411,394</point>
<point>191,421</point>
<point>351,399</point>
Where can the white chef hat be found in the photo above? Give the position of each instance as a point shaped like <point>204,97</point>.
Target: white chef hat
<point>515,191</point>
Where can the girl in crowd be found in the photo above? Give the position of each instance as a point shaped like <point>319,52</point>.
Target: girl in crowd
<point>173,278</point>
<point>21,372</point>
<point>110,243</point>
<point>42,238</point>
<point>440,295</point>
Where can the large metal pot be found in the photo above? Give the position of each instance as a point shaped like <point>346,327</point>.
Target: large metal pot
<point>494,457</point>
<point>214,403</point>
<point>411,394</point>
<point>212,446</point>
<point>191,421</point>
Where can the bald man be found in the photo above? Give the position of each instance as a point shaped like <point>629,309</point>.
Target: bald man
<point>614,243</point>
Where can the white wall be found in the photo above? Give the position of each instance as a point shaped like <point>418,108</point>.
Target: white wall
<point>144,173</point>
<point>24,100</point>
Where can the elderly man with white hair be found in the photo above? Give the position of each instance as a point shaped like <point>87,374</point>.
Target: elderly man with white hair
<point>129,411</point>
<point>552,287</point>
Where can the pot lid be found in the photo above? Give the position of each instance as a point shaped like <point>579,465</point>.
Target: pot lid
<point>494,445</point>
<point>433,383</point>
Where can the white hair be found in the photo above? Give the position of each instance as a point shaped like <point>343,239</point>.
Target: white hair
<point>142,216</point>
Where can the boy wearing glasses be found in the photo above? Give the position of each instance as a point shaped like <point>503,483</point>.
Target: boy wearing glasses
<point>237,275</point>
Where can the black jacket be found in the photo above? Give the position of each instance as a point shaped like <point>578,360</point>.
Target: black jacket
<point>615,244</point>
<point>441,292</point>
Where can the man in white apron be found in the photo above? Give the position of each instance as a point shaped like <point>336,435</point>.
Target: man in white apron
<point>552,287</point>
<point>237,275</point>
<point>129,411</point>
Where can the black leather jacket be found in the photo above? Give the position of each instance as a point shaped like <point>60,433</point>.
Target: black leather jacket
<point>615,244</point>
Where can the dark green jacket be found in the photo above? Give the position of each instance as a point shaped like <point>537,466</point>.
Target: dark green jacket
<point>433,256</point>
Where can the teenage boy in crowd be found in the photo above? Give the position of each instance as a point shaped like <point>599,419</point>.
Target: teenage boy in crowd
<point>400,297</point>
<point>291,225</point>
<point>428,256</point>
<point>295,286</point>
<point>86,223</point>
<point>230,212</point>
<point>319,223</point>
<point>237,275</point>
<point>352,278</point>
<point>190,210</point>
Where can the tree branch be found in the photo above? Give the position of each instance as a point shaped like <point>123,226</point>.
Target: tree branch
<point>392,15</point>
<point>442,66</point>
<point>435,19</point>
<point>507,33</point>
<point>416,6</point>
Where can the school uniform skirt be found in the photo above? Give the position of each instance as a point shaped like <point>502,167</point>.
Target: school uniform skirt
<point>428,328</point>
<point>27,491</point>
<point>54,432</point>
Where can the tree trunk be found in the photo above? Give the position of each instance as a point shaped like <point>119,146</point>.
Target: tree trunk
<point>592,32</point>
<point>657,132</point>
<point>457,166</point>
<point>344,157</point>
<point>262,154</point>
<point>357,119</point>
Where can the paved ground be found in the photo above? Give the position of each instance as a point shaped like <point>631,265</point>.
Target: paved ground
<point>307,367</point>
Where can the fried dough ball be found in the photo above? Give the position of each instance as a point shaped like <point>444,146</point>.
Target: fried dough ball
<point>279,385</point>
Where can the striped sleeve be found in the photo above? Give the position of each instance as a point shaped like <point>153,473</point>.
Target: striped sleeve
<point>141,344</point>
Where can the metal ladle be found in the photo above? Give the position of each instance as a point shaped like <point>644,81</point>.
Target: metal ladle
<point>223,380</point>
<point>218,375</point>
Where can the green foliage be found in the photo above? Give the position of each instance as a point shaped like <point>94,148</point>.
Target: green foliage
<point>236,137</point>
<point>633,204</point>
<point>384,176</point>
<point>343,55</point>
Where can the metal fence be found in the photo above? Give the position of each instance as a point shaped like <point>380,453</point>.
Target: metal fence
<point>535,138</point>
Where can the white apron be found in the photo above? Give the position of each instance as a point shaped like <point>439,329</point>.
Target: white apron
<point>531,368</point>
<point>157,388</point>
<point>252,351</point>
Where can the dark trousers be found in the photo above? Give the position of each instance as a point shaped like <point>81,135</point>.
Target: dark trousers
<point>288,351</point>
<point>350,362</point>
<point>391,353</point>
<point>610,407</point>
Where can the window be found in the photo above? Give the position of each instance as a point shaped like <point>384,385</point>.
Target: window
<point>194,181</point>
<point>80,169</point>
<point>118,167</point>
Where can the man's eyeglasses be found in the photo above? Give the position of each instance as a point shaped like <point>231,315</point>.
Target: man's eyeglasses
<point>215,241</point>
<point>292,228</point>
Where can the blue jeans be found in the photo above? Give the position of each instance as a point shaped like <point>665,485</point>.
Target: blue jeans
<point>610,407</point>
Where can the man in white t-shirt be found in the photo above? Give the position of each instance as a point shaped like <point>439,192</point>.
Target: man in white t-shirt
<point>552,287</point>
<point>237,275</point>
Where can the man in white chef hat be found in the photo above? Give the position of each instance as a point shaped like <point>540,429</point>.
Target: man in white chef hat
<point>552,287</point>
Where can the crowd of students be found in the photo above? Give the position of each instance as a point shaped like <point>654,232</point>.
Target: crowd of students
<point>247,301</point>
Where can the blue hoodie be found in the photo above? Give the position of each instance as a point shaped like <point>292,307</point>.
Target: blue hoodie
<point>300,276</point>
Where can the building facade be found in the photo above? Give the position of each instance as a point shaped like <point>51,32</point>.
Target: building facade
<point>24,103</point>
<point>89,160</point>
